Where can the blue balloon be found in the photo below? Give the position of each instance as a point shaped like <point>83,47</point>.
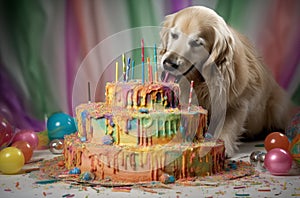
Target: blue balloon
<point>59,125</point>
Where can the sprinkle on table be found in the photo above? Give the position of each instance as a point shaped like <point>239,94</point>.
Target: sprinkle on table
<point>147,190</point>
<point>264,190</point>
<point>121,189</point>
<point>239,187</point>
<point>277,194</point>
<point>68,195</point>
<point>242,194</point>
<point>47,181</point>
<point>284,186</point>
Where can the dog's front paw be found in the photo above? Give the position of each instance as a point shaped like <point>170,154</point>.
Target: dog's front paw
<point>231,144</point>
<point>230,150</point>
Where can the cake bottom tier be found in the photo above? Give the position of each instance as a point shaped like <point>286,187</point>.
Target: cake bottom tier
<point>140,164</point>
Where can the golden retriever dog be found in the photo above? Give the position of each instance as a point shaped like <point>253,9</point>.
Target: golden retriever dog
<point>197,45</point>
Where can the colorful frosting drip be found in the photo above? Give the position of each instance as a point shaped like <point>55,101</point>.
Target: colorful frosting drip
<point>120,163</point>
<point>144,115</point>
<point>132,127</point>
<point>134,94</point>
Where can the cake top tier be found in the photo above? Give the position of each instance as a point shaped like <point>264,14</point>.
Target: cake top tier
<point>136,95</point>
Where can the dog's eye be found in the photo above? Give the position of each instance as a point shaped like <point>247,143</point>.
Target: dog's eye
<point>195,43</point>
<point>174,35</point>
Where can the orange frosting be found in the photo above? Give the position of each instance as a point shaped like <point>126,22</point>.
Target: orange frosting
<point>139,164</point>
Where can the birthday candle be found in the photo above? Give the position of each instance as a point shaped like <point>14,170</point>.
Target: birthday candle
<point>124,67</point>
<point>117,71</point>
<point>132,69</point>
<point>45,119</point>
<point>127,69</point>
<point>190,96</point>
<point>149,70</point>
<point>155,64</point>
<point>89,92</point>
<point>143,61</point>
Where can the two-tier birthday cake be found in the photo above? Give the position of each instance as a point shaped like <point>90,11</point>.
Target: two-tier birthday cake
<point>140,133</point>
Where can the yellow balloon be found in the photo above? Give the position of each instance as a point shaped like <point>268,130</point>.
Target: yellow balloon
<point>11,160</point>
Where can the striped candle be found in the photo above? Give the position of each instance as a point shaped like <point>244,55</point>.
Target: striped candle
<point>190,96</point>
<point>124,67</point>
<point>143,61</point>
<point>150,78</point>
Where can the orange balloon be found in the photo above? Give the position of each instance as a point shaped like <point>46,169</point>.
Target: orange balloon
<point>277,140</point>
<point>26,149</point>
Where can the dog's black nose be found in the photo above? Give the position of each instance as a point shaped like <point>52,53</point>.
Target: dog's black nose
<point>170,64</point>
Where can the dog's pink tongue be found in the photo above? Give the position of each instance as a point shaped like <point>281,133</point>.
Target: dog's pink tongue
<point>169,77</point>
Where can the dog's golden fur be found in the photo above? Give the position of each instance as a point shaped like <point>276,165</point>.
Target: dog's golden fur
<point>255,102</point>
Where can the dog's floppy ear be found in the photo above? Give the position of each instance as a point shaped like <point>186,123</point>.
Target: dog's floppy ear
<point>164,33</point>
<point>222,56</point>
<point>222,50</point>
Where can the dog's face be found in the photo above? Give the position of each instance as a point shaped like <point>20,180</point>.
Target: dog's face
<point>191,38</point>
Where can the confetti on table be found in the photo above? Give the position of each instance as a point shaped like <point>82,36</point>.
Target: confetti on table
<point>47,181</point>
<point>242,194</point>
<point>264,190</point>
<point>284,186</point>
<point>68,195</point>
<point>238,170</point>
<point>256,183</point>
<point>220,192</point>
<point>277,194</point>
<point>239,187</point>
<point>148,190</point>
<point>121,189</point>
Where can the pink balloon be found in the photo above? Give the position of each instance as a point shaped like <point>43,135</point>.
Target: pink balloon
<point>278,161</point>
<point>28,136</point>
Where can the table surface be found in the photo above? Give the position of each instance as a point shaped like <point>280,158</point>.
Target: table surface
<point>262,185</point>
